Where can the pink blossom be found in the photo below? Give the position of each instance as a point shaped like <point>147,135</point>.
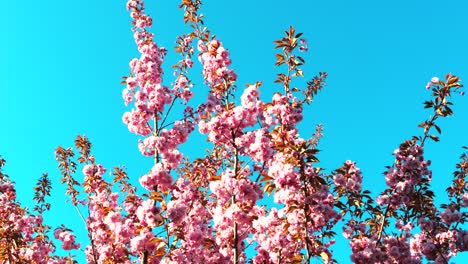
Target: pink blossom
<point>189,63</point>
<point>148,213</point>
<point>67,238</point>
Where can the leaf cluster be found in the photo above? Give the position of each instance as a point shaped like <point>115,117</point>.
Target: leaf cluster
<point>441,105</point>
<point>41,190</point>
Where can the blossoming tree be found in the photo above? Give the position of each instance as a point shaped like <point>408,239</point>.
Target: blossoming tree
<point>213,209</point>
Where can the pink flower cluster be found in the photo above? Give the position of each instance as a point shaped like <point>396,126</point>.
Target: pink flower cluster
<point>409,171</point>
<point>148,214</point>
<point>67,238</point>
<point>299,199</point>
<point>451,215</point>
<point>215,60</point>
<point>167,142</point>
<point>190,223</point>
<point>351,180</point>
<point>229,123</point>
<point>388,249</point>
<point>235,203</point>
<point>273,244</point>
<point>392,250</point>
<point>119,235</point>
<point>21,234</point>
<point>143,243</point>
<point>282,111</point>
<point>256,144</point>
<point>152,96</point>
<point>105,226</point>
<point>158,177</point>
<point>435,244</point>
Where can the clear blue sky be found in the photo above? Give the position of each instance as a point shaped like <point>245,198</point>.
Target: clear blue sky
<point>61,63</point>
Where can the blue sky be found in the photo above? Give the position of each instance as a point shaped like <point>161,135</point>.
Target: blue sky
<point>61,64</point>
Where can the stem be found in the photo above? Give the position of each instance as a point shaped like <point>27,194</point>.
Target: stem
<point>290,68</point>
<point>174,243</point>
<point>426,133</point>
<point>168,111</point>
<point>236,257</point>
<point>81,215</point>
<point>384,219</point>
<point>236,250</point>
<point>90,235</point>
<point>233,199</point>
<point>260,173</point>
<point>171,123</point>
<point>306,214</point>
<point>236,162</point>
<point>156,132</point>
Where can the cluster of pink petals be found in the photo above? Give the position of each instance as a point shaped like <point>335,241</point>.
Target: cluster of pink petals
<point>256,144</point>
<point>282,111</point>
<point>410,168</point>
<point>281,246</point>
<point>33,248</point>
<point>215,60</point>
<point>273,244</point>
<point>192,219</point>
<point>158,177</point>
<point>67,238</point>
<point>212,105</point>
<point>152,96</point>
<point>351,181</point>
<point>451,215</point>
<point>166,143</point>
<point>181,87</point>
<point>142,242</point>
<point>391,250</point>
<point>229,123</point>
<point>148,214</point>
<point>111,230</point>
<point>285,176</point>
<point>235,202</point>
<point>428,243</point>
